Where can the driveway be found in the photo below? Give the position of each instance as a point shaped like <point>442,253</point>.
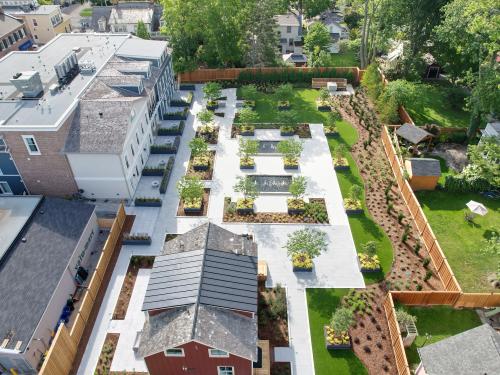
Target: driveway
<point>73,12</point>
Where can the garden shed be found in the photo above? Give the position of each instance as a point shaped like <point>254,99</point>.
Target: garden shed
<point>423,173</point>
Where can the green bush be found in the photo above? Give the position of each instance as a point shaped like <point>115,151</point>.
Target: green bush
<point>290,75</point>
<point>462,184</point>
<point>372,82</point>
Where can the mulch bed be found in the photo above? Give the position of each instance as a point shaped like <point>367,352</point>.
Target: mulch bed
<point>203,175</point>
<point>136,263</point>
<point>107,353</point>
<point>210,138</point>
<point>281,368</point>
<point>302,130</point>
<point>180,209</point>
<point>270,217</point>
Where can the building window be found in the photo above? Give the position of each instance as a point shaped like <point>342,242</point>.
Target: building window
<point>216,353</point>
<point>177,352</point>
<point>132,149</point>
<point>31,145</point>
<point>5,188</point>
<point>126,162</point>
<point>289,29</point>
<point>225,370</point>
<point>3,145</point>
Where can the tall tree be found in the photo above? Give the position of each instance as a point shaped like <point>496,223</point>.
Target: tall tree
<point>142,31</point>
<point>317,39</point>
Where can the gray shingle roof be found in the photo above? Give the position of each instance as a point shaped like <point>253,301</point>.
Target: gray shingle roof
<point>31,270</point>
<point>412,133</point>
<point>200,278</point>
<point>288,19</point>
<point>425,167</point>
<point>476,351</point>
<point>8,24</point>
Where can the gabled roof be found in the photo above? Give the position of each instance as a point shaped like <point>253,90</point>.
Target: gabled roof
<point>424,167</point>
<point>412,133</point>
<point>8,24</point>
<point>476,351</point>
<point>295,57</point>
<point>288,19</point>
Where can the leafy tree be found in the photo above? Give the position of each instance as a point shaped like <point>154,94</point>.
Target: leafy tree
<point>484,160</point>
<point>205,116</point>
<point>198,147</point>
<point>324,94</point>
<point>248,187</point>
<point>491,245</point>
<point>290,148</point>
<point>249,92</point>
<point>355,192</point>
<point>402,91</point>
<point>317,39</point>
<point>190,188</point>
<point>370,248</point>
<point>372,81</point>
<point>248,116</point>
<point>306,241</point>
<point>284,91</point>
<point>212,91</point>
<point>340,151</point>
<point>298,187</point>
<point>310,8</point>
<point>248,148</point>
<point>404,318</point>
<point>342,319</point>
<point>334,116</point>
<point>142,32</point>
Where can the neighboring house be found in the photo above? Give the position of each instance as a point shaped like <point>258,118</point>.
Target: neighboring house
<point>44,22</point>
<point>84,132</point>
<point>201,305</point>
<point>13,34</point>
<point>475,351</point>
<point>289,32</point>
<point>334,22</point>
<point>492,129</point>
<point>45,248</point>
<point>123,17</point>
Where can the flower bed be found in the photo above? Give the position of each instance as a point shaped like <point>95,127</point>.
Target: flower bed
<point>245,206</point>
<point>209,133</point>
<point>136,239</point>
<point>369,263</point>
<point>334,341</point>
<point>352,207</point>
<point>300,129</point>
<point>147,202</point>
<point>340,164</point>
<point>193,208</point>
<point>247,163</point>
<point>291,163</point>
<point>283,105</point>
<point>302,263</point>
<point>296,206</point>
<point>315,213</point>
<point>202,166</point>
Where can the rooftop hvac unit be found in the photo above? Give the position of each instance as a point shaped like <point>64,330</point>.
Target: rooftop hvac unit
<point>28,83</point>
<point>67,68</point>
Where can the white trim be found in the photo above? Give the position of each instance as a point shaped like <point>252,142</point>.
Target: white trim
<point>220,373</point>
<point>25,139</point>
<point>211,355</point>
<point>174,355</point>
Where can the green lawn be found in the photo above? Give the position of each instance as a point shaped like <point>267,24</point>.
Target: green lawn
<point>434,107</point>
<point>346,58</point>
<point>363,228</point>
<point>459,240</point>
<point>87,12</point>
<point>440,322</point>
<point>321,303</point>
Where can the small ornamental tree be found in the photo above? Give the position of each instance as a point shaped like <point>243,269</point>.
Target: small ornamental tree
<point>298,187</point>
<point>324,94</point>
<point>247,116</point>
<point>248,187</point>
<point>340,151</point>
<point>355,193</point>
<point>212,91</point>
<point>249,92</point>
<point>370,248</point>
<point>198,147</point>
<point>248,148</point>
<point>284,92</point>
<point>404,318</point>
<point>290,148</point>
<point>142,31</point>
<point>342,320</point>
<point>333,117</point>
<point>206,117</point>
<point>311,242</point>
<point>190,189</point>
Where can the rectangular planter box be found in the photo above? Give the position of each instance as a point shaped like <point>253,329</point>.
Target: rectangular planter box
<point>336,347</point>
<point>179,104</point>
<point>247,167</point>
<point>248,133</point>
<point>287,134</point>
<point>147,204</point>
<point>136,242</point>
<point>301,269</point>
<point>354,212</point>
<point>152,173</point>
<point>365,270</point>
<point>201,167</point>
<point>219,114</point>
<point>175,117</point>
<point>193,210</point>
<point>341,167</point>
<point>324,108</point>
<point>164,151</point>
<point>332,134</point>
<point>283,107</point>
<point>187,87</point>
<point>244,211</point>
<point>291,167</point>
<point>212,107</point>
<point>295,211</point>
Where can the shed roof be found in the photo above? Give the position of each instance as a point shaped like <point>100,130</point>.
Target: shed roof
<point>413,133</point>
<point>424,167</point>
<point>476,351</point>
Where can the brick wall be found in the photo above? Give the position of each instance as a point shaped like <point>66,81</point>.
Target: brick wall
<point>49,173</point>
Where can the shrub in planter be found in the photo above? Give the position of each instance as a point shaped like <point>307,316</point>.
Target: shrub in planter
<point>291,150</point>
<point>176,130</point>
<point>136,239</point>
<point>330,130</point>
<point>339,160</point>
<point>198,147</point>
<point>248,187</point>
<point>245,206</point>
<point>247,163</point>
<point>147,202</point>
<point>205,117</point>
<point>283,105</point>
<point>287,130</point>
<point>248,148</point>
<point>302,262</point>
<point>291,163</point>
<point>212,91</point>
<point>337,333</point>
<point>191,191</point>
<point>152,171</point>
<point>212,105</point>
<point>316,212</point>
<point>247,130</point>
<point>247,116</point>
<point>305,244</point>
<point>166,175</point>
<point>296,206</point>
<point>249,104</point>
<point>352,204</point>
<point>201,163</point>
<point>369,263</point>
<point>193,205</point>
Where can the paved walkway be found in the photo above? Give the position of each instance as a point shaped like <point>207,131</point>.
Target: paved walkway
<point>336,268</point>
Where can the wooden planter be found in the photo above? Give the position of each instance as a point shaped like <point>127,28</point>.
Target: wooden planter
<point>336,347</point>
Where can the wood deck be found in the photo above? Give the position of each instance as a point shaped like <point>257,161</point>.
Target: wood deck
<point>266,359</point>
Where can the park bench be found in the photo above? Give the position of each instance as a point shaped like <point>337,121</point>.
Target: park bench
<point>318,83</point>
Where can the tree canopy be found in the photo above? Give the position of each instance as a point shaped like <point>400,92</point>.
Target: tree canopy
<point>142,31</point>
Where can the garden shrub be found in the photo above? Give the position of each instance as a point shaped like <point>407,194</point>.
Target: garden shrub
<point>464,184</point>
<point>372,82</point>
<point>290,75</point>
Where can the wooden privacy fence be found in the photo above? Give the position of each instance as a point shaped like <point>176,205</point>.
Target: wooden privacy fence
<point>454,299</point>
<point>62,351</point>
<point>424,229</point>
<point>395,334</point>
<point>206,75</point>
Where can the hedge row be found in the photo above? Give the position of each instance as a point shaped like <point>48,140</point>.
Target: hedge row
<point>459,184</point>
<point>291,75</point>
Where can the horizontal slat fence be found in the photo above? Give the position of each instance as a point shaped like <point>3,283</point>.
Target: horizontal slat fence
<point>429,239</point>
<point>454,299</point>
<point>62,351</point>
<point>396,339</point>
<point>206,75</point>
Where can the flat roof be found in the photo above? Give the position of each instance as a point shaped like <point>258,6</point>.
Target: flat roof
<point>50,110</point>
<point>34,264</point>
<point>41,10</point>
<point>14,213</point>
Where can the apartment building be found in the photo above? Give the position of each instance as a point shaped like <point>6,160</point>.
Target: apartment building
<point>13,34</point>
<point>44,22</point>
<point>78,115</point>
